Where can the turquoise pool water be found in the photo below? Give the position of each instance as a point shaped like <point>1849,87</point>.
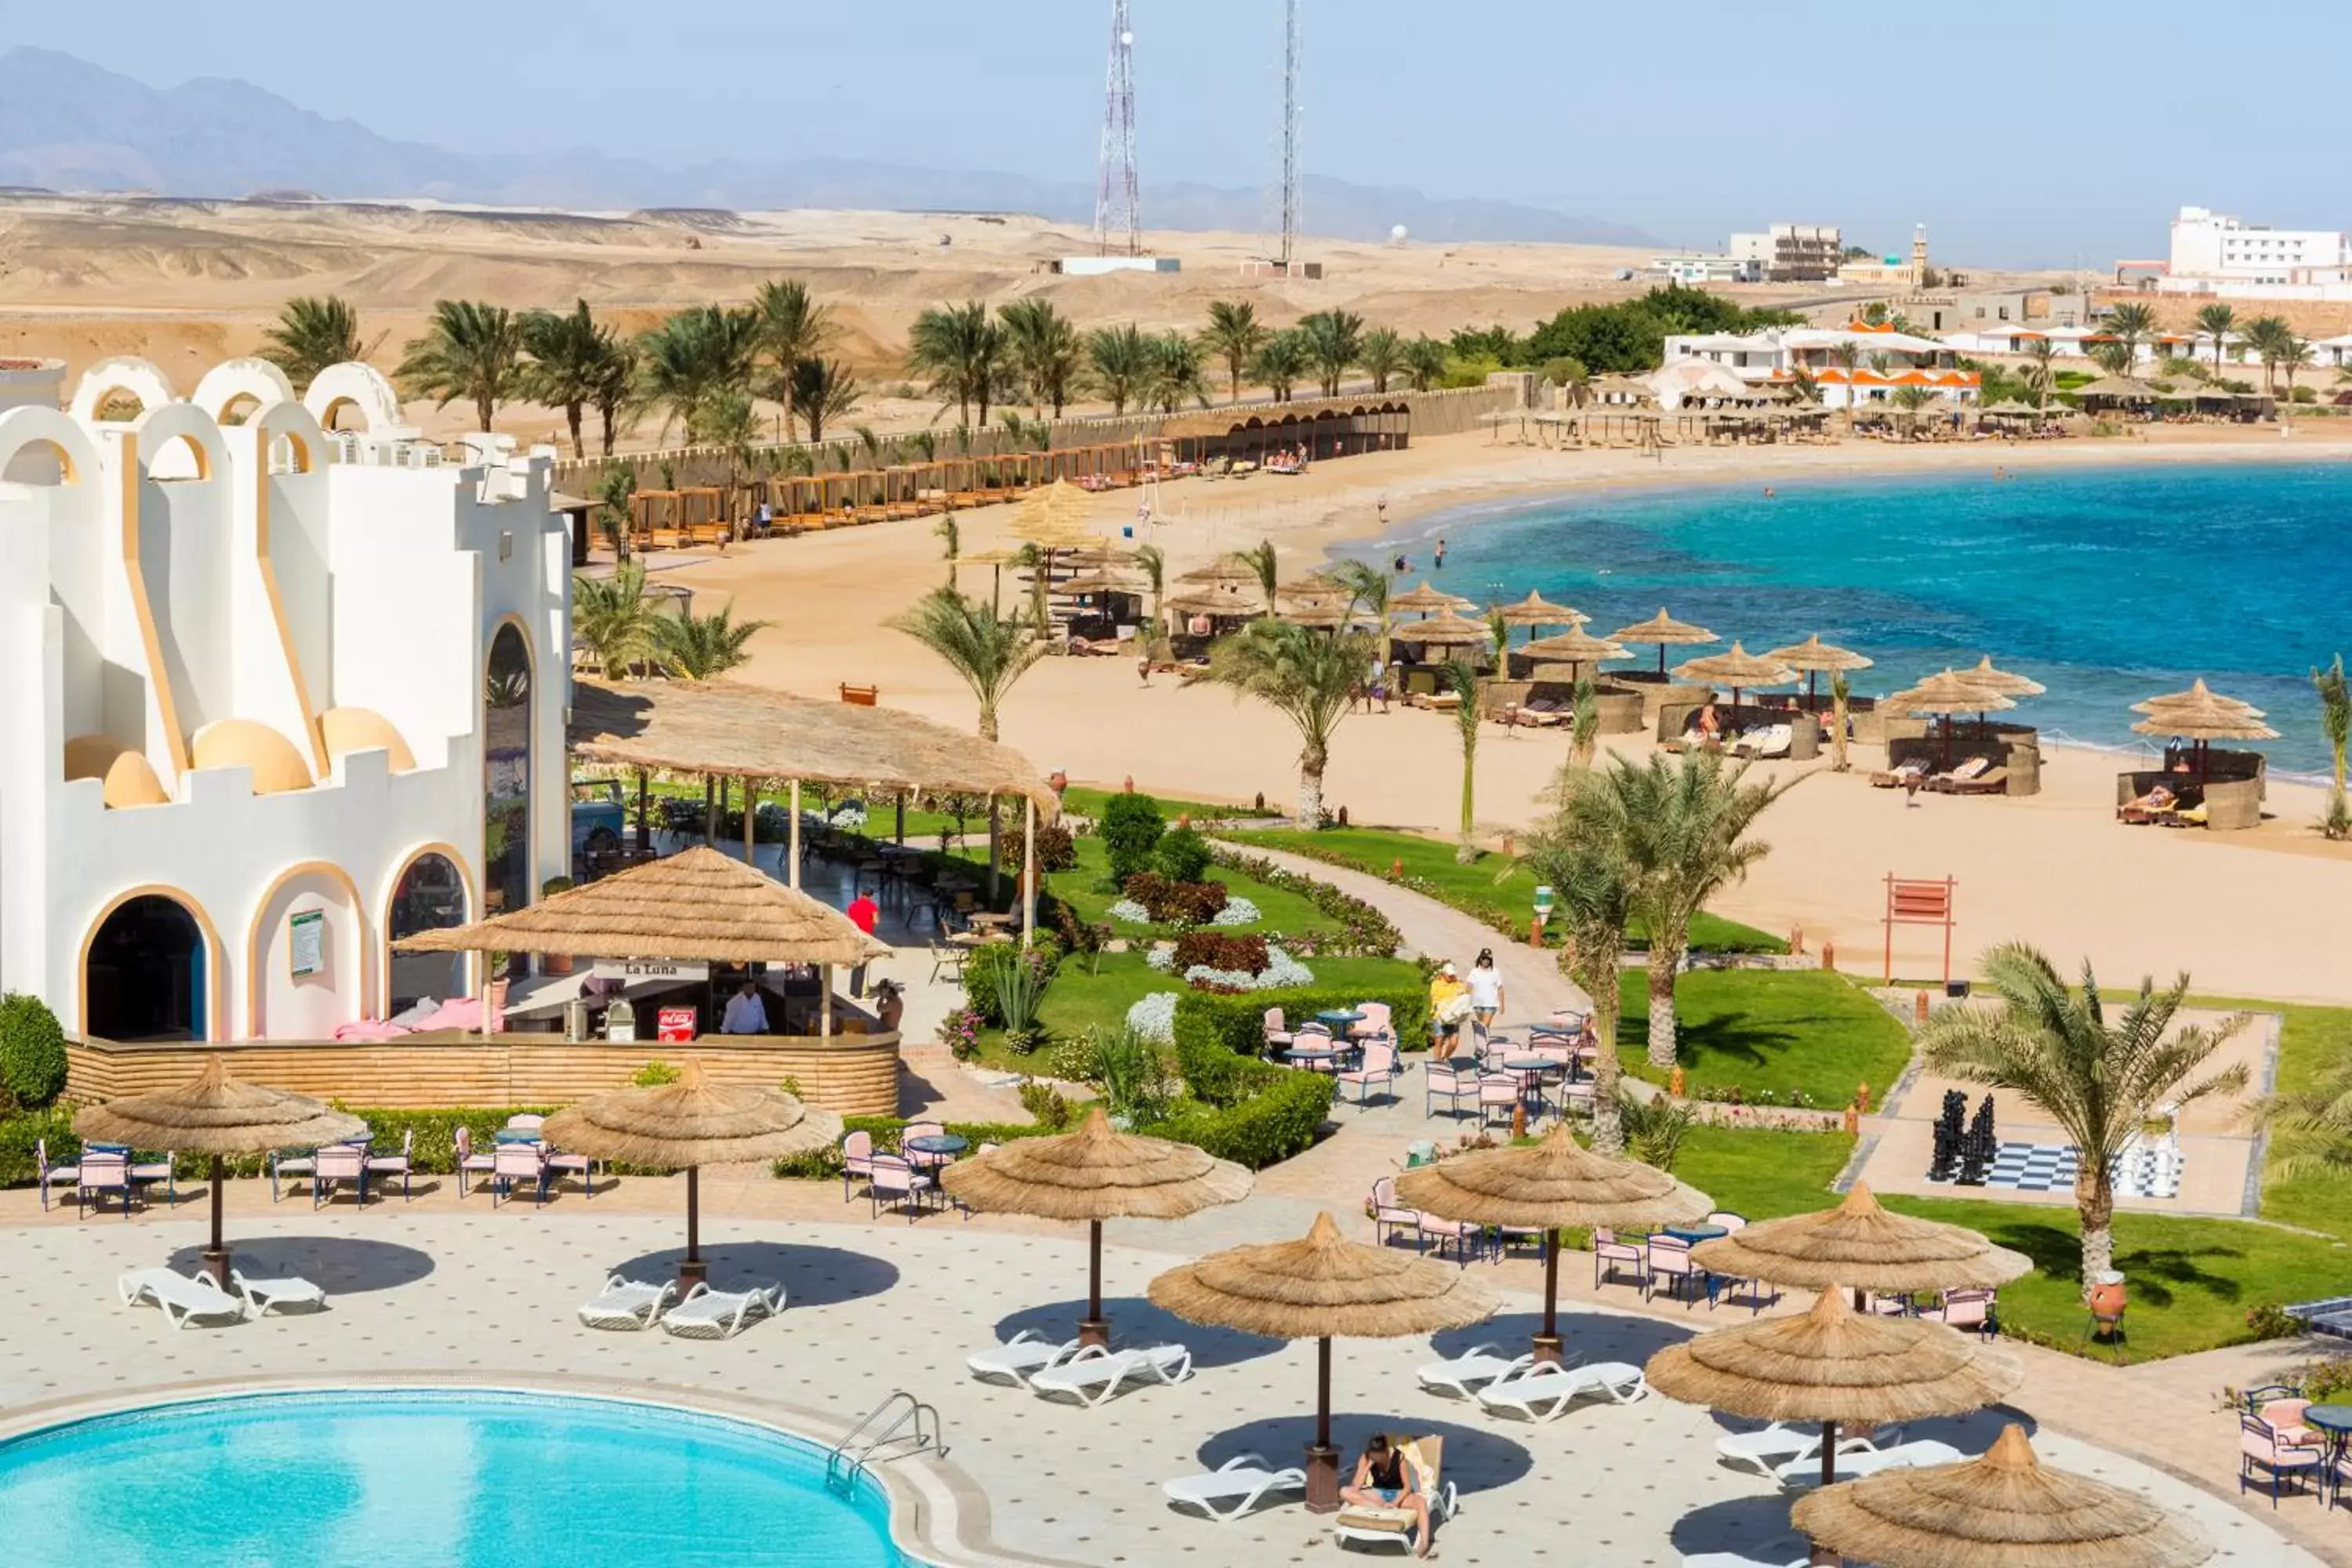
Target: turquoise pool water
<point>2106,585</point>
<point>431,1477</point>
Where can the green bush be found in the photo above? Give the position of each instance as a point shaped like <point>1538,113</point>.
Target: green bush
<point>1131,829</point>
<point>32,1051</point>
<point>1237,1024</point>
<point>1277,1122</point>
<point>1046,1103</point>
<point>20,1135</point>
<point>984,970</point>
<point>653,1075</point>
<point>1183,856</point>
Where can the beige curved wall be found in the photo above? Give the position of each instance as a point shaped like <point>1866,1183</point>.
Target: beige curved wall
<point>281,1006</point>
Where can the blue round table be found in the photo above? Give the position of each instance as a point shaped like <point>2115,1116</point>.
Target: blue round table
<point>2335,1420</point>
<point>1693,1234</point>
<point>946,1144</point>
<point>517,1135</point>
<point>1341,1017</point>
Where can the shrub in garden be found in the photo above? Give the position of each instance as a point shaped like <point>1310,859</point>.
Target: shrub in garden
<point>1057,848</point>
<point>982,986</point>
<point>32,1051</point>
<point>1130,827</point>
<point>1183,856</point>
<point>653,1075</point>
<point>1175,903</point>
<point>1046,1103</point>
<point>1220,950</point>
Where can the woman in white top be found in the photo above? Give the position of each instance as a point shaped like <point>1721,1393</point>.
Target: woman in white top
<point>1486,990</point>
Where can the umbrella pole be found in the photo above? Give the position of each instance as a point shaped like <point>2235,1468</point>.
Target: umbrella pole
<point>216,1255</point>
<point>1094,1329</point>
<point>1822,1554</point>
<point>1323,1459</point>
<point>1547,1346</point>
<point>691,1272</point>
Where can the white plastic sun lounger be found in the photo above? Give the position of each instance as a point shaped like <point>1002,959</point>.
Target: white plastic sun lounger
<point>1803,1559</point>
<point>708,1314</point>
<point>625,1304</point>
<point>1768,1450</point>
<point>1020,1358</point>
<point>1543,1392</point>
<point>1094,1374</point>
<point>1240,1481</point>
<point>183,1297</point>
<point>267,1296</point>
<point>1479,1364</point>
<point>1854,1467</point>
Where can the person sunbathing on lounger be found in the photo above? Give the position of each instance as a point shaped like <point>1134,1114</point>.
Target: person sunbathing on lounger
<point>1384,1481</point>
<point>2159,800</point>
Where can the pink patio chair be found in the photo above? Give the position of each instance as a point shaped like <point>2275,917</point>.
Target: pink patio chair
<point>2264,1455</point>
<point>1379,1067</point>
<point>512,1162</point>
<point>1609,1255</point>
<point>561,1164</point>
<point>470,1164</point>
<point>166,1171</point>
<point>1969,1309</point>
<point>1389,1214</point>
<point>401,1165</point>
<point>2285,1418</point>
<point>1456,1080</point>
<point>1464,1236</point>
<point>1278,1032</point>
<point>338,1163</point>
<point>99,1175</point>
<point>1374,1024</point>
<point>922,1161</point>
<point>891,1181</point>
<point>53,1175</point>
<point>857,1161</point>
<point>1498,1095</point>
<point>1669,1260</point>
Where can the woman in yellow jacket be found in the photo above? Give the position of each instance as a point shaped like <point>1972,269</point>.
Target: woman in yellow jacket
<point>1449,1003</point>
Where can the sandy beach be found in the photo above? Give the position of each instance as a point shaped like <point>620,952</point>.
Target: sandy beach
<point>2054,869</point>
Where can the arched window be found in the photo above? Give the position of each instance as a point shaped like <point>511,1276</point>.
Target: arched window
<point>506,764</point>
<point>431,896</point>
<point>145,976</point>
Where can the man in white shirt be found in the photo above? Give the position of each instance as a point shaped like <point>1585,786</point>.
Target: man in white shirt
<point>746,1013</point>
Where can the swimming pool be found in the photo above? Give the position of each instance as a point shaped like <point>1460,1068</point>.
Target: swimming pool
<point>441,1476</point>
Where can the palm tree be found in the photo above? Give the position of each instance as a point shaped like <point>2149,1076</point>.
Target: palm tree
<point>1233,335</point>
<point>615,486</point>
<point>2310,1128</point>
<point>2216,321</point>
<point>2334,722</point>
<point>2293,354</point>
<point>1584,720</point>
<point>1308,679</point>
<point>703,648</point>
<point>1578,852</point>
<point>792,327</point>
<point>961,350</point>
<point>1043,351</point>
<point>2115,359</point>
<point>2097,1082</point>
<point>614,393</point>
<point>1684,822</point>
<point>1334,341</point>
<point>2265,336</point>
<point>1367,590</point>
<point>1176,373</point>
<point>311,334</point>
<point>1464,677</point>
<point>469,350</point>
<point>2042,369</point>
<point>727,420</point>
<point>989,654</point>
<point>1153,561</point>
<point>694,355</point>
<point>1382,356</point>
<point>1424,362</point>
<point>2130,324</point>
<point>823,391</point>
<point>949,535</point>
<point>614,619</point>
<point>1280,363</point>
<point>1121,360</point>
<point>568,359</point>
<point>1260,560</point>
<point>1911,400</point>
<point>1840,693</point>
<point>1848,356</point>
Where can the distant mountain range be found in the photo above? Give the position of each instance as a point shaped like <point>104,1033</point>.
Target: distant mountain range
<point>68,125</point>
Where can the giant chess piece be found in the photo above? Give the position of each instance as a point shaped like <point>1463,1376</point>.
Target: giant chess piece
<point>1948,1136</point>
<point>1978,1148</point>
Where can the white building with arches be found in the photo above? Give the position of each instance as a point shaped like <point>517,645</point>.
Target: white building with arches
<point>280,684</point>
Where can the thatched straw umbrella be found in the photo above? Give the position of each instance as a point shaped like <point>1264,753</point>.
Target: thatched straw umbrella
<point>1426,601</point>
<point>1662,629</point>
<point>1736,669</point>
<point>687,1125</point>
<point>2002,1510</point>
<point>1445,630</point>
<point>1550,1184</point>
<point>1224,572</point>
<point>1862,1246</point>
<point>1832,1364</point>
<point>1812,657</point>
<point>1100,581</point>
<point>1535,610</point>
<point>1094,1174</point>
<point>1212,602</point>
<point>215,1114</point>
<point>1574,646</point>
<point>1048,517</point>
<point>1320,1288</point>
<point>2007,682</point>
<point>1950,693</point>
<point>2201,715</point>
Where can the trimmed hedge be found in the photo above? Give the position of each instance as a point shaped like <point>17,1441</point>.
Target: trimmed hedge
<point>19,1136</point>
<point>1279,1121</point>
<point>32,1052</point>
<point>1208,1020</point>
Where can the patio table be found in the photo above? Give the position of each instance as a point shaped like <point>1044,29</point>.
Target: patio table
<point>1315,1058</point>
<point>939,1144</point>
<point>1341,1017</point>
<point>1693,1234</point>
<point>516,1135</point>
<point>2335,1420</point>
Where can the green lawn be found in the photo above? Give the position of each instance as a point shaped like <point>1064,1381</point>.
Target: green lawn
<point>1771,1034</point>
<point>1473,889</point>
<point>1088,803</point>
<point>1761,1174</point>
<point>2309,1039</point>
<point>1278,910</point>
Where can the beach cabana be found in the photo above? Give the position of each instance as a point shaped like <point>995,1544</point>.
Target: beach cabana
<point>2006,1510</point>
<point>1322,1288</point>
<point>2229,800</point>
<point>1862,1246</point>
<point>1535,610</point>
<point>1215,603</point>
<point>1949,694</point>
<point>1812,658</point>
<point>2201,715</point>
<point>1444,629</point>
<point>1738,669</point>
<point>2117,392</point>
<point>1549,1186</point>
<point>685,1125</point>
<point>217,1115</point>
<point>1094,1174</point>
<point>1666,631</point>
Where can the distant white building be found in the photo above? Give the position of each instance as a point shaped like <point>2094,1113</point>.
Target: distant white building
<point>273,696</point>
<point>1886,361</point>
<point>2078,343</point>
<point>2217,254</point>
<point>1793,252</point>
<point>1691,269</point>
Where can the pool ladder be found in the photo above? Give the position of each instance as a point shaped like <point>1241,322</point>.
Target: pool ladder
<point>900,1426</point>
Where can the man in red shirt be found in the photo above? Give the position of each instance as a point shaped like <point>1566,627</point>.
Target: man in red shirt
<point>863,912</point>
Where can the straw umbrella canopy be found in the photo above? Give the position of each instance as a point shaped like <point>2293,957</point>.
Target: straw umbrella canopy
<point>2201,715</point>
<point>2005,682</point>
<point>1736,669</point>
<point>1663,629</point>
<point>1426,601</point>
<point>1445,630</point>
<point>1319,1288</point>
<point>1832,1364</point>
<point>1313,586</point>
<point>996,560</point>
<point>2008,408</point>
<point>1223,572</point>
<point>1325,618</point>
<point>1094,1174</point>
<point>1812,657</point>
<point>1574,646</point>
<point>1049,516</point>
<point>2210,392</point>
<point>1950,693</point>
<point>1211,602</point>
<point>1550,1184</point>
<point>2118,389</point>
<point>1099,582</point>
<point>687,1125</point>
<point>1535,610</point>
<point>1862,1246</point>
<point>2002,1510</point>
<point>215,1114</point>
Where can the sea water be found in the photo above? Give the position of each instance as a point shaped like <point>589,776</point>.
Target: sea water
<point>2108,587</point>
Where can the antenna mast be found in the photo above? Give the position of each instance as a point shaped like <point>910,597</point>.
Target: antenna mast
<point>1118,211</point>
<point>1289,197</point>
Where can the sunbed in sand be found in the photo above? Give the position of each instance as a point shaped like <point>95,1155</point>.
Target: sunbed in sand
<point>1913,770</point>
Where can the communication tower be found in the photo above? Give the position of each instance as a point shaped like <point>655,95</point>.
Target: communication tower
<point>1118,211</point>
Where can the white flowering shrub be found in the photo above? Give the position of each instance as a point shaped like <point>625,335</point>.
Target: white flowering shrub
<point>1128,910</point>
<point>849,814</point>
<point>1154,1017</point>
<point>1162,959</point>
<point>1238,912</point>
<point>1282,971</point>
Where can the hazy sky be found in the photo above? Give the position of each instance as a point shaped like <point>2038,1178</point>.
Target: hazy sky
<point>2009,126</point>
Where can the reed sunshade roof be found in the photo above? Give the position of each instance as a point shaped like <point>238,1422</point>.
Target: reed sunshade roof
<point>1101,582</point>
<point>1000,556</point>
<point>1577,647</point>
<point>1833,1364</point>
<point>722,729</point>
<point>1054,515</point>
<point>2002,1510</point>
<point>2118,389</point>
<point>1444,629</point>
<point>2200,714</point>
<point>691,1124</point>
<point>1735,669</point>
<point>1950,692</point>
<point>2007,683</point>
<point>1861,1245</point>
<point>1095,1173</point>
<point>1211,602</point>
<point>2009,407</point>
<point>1323,1286</point>
<point>213,1113</point>
<point>1426,600</point>
<point>698,905</point>
<point>1815,656</point>
<point>1662,628</point>
<point>1223,572</point>
<point>1535,610</point>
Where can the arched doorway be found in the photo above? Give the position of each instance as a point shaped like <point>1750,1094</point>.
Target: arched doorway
<point>506,768</point>
<point>429,896</point>
<point>144,977</point>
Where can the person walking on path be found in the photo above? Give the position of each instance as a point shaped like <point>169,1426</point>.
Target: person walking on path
<point>1485,986</point>
<point>1449,1003</point>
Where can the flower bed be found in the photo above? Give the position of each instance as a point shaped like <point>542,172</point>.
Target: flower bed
<point>1363,931</point>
